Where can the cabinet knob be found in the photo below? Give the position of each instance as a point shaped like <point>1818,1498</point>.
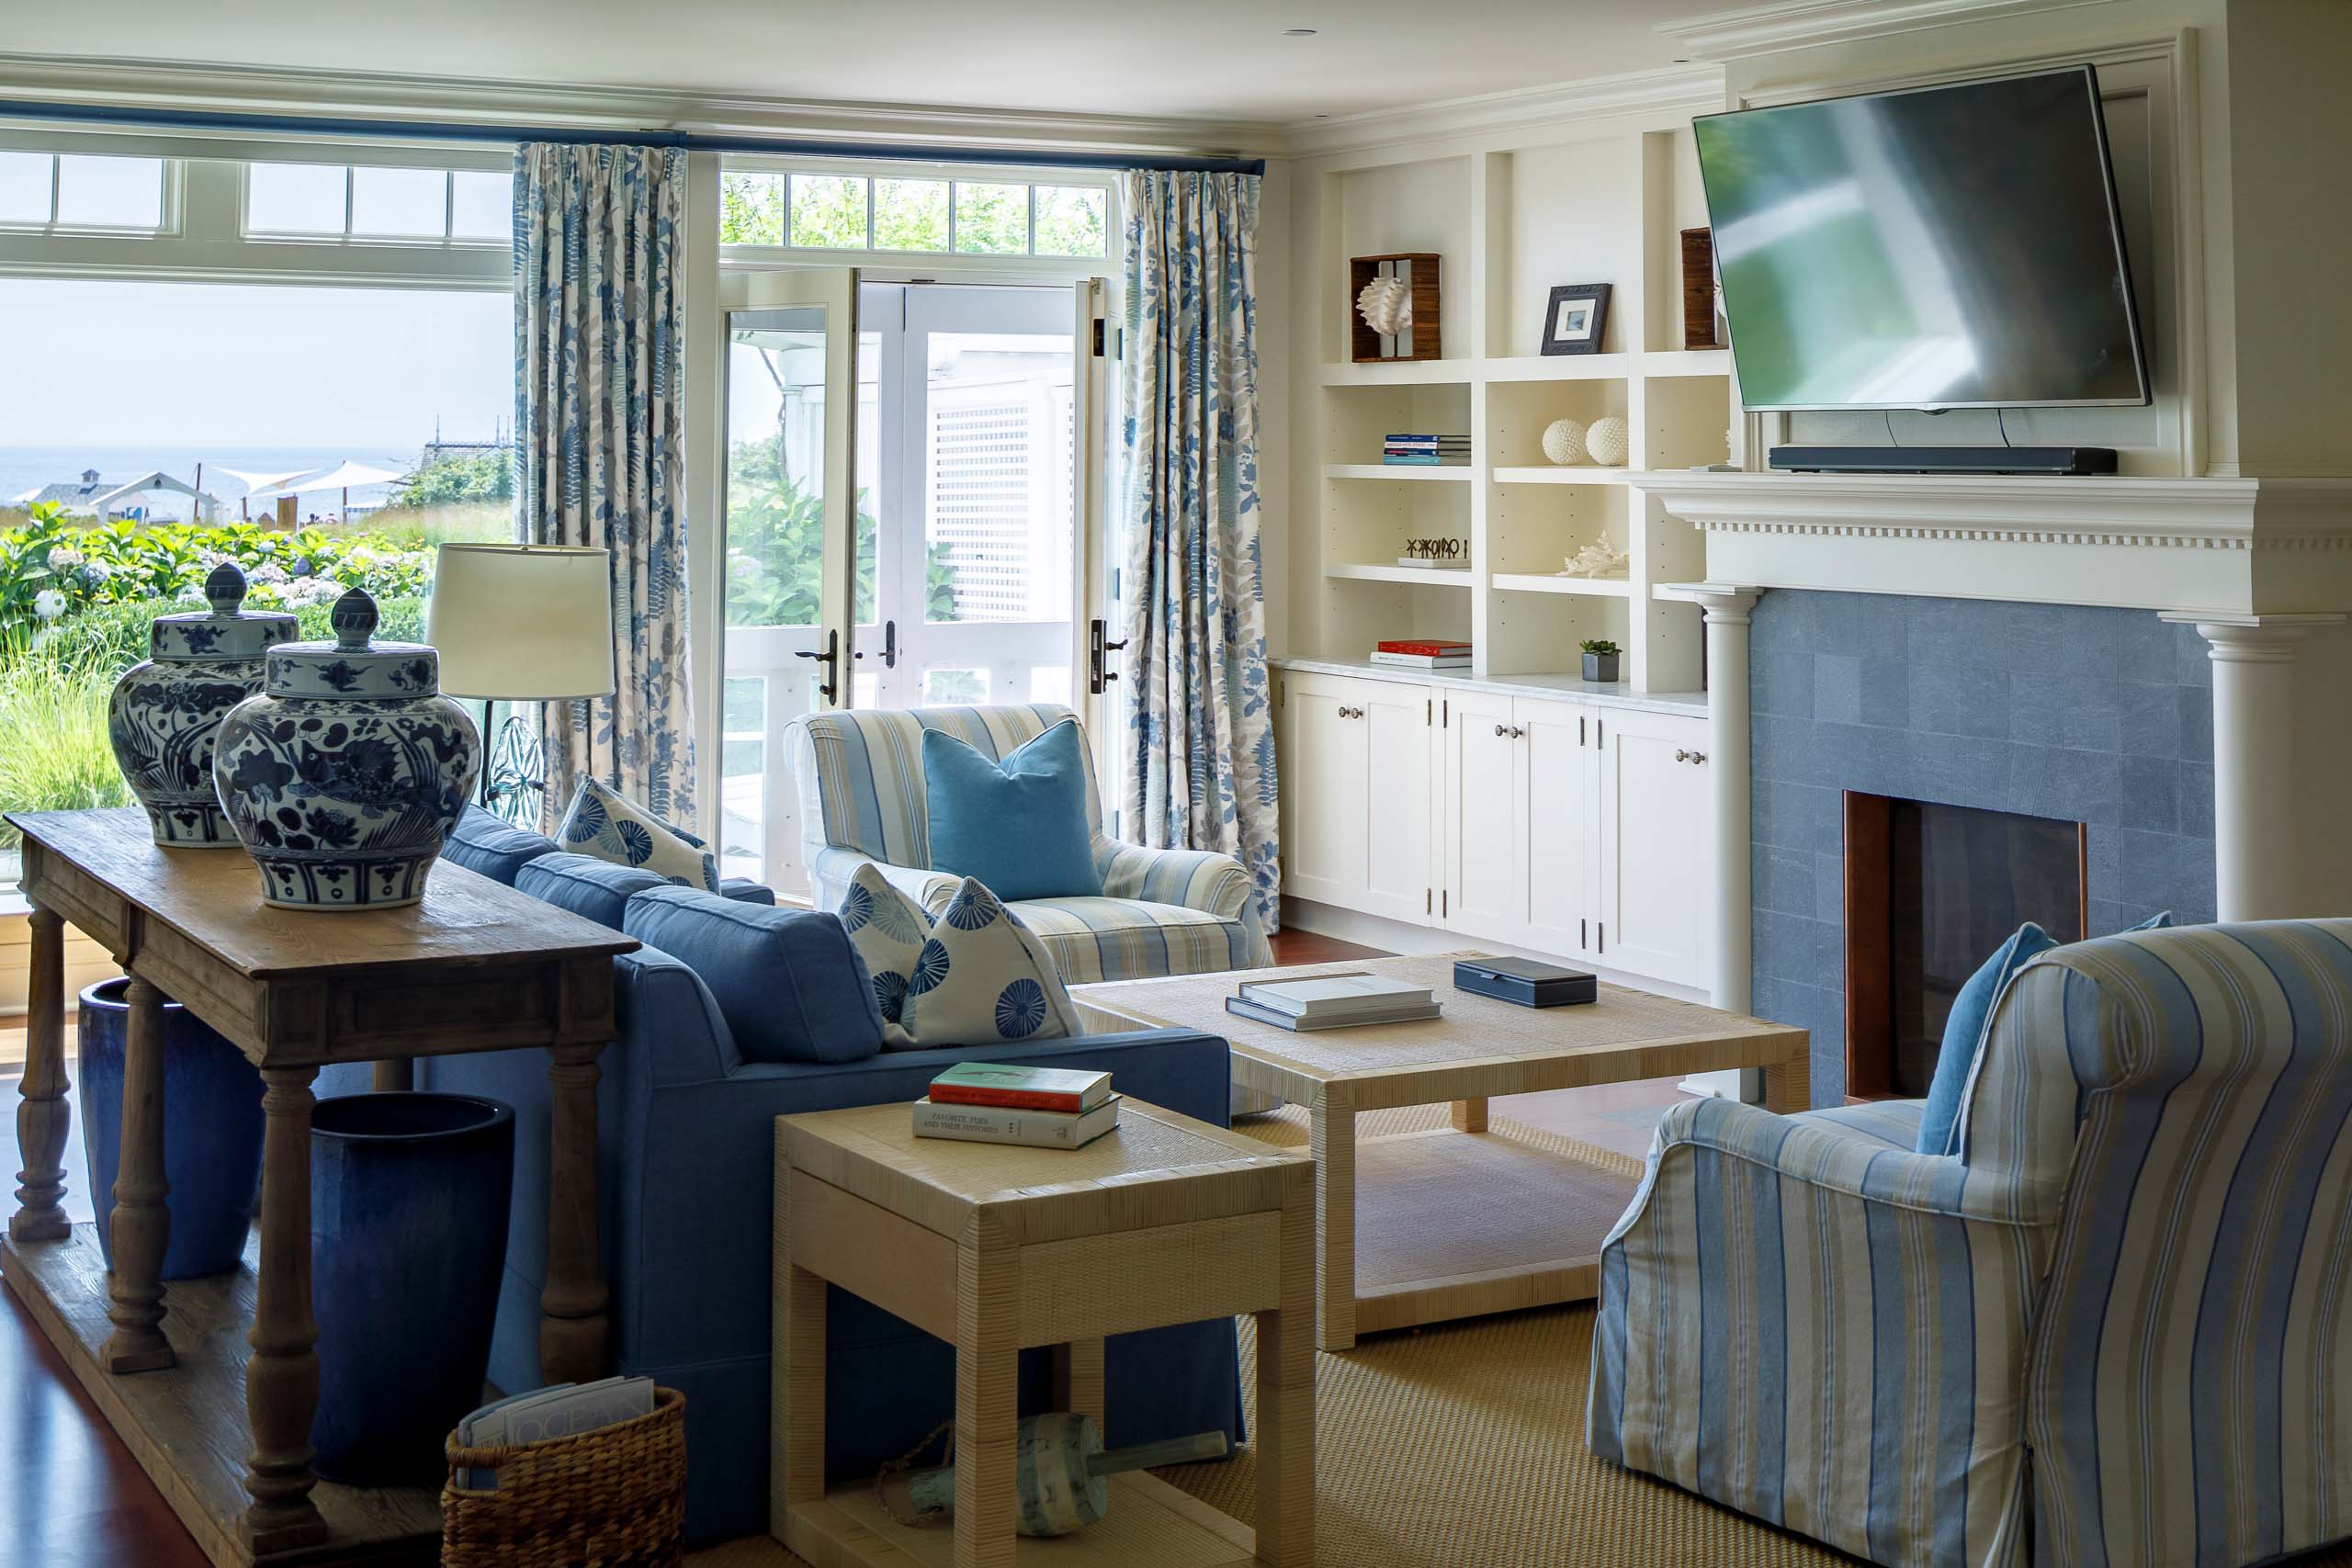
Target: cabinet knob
<point>1507,732</point>
<point>1682,756</point>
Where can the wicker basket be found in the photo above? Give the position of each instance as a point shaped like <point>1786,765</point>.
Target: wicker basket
<point>615,1497</point>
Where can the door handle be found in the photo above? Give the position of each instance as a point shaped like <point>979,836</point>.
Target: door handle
<point>890,646</point>
<point>1098,674</point>
<point>830,658</point>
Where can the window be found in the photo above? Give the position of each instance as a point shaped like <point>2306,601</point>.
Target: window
<point>938,213</point>
<point>76,191</point>
<point>369,202</point>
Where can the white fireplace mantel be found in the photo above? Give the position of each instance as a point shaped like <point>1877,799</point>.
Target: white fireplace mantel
<point>2231,546</point>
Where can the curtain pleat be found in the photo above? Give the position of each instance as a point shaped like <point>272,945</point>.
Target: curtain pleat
<point>599,325</point>
<point>1199,765</point>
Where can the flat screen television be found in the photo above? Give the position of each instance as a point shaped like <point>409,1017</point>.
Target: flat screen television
<point>1944,247</point>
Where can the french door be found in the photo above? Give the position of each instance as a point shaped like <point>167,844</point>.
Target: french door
<point>909,515</point>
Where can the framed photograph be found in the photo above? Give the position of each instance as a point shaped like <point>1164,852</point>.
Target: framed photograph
<point>1575,319</point>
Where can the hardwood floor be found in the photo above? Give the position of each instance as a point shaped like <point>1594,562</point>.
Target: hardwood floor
<point>72,1496</point>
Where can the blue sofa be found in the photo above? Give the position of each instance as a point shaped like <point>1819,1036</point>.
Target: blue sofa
<point>686,1151</point>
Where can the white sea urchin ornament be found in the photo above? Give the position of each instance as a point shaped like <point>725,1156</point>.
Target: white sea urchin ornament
<point>1563,440</point>
<point>1606,441</point>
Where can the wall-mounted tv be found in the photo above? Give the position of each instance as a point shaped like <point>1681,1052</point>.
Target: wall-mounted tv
<point>1953,246</point>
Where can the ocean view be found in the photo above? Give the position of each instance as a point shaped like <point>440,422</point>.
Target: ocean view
<point>28,468</point>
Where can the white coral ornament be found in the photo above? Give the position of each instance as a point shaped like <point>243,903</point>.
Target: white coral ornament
<point>1598,559</point>
<point>1386,306</point>
<point>1563,440</point>
<point>1606,441</point>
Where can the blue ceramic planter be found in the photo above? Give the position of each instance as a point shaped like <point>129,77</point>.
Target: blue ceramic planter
<point>408,1242</point>
<point>212,1128</point>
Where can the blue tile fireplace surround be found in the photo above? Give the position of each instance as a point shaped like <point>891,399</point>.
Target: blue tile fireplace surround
<point>2095,716</point>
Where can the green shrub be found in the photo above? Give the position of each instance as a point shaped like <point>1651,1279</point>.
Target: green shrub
<point>489,476</point>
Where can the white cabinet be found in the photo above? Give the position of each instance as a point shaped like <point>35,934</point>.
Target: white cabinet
<point>1356,769</point>
<point>1561,827</point>
<point>1656,847</point>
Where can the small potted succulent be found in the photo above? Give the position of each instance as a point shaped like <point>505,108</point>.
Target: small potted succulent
<point>1599,659</point>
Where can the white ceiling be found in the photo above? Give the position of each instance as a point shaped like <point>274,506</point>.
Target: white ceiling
<point>1220,60</point>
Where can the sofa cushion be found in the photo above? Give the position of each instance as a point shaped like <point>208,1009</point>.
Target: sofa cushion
<point>586,885</point>
<point>974,976</point>
<point>787,981</point>
<point>1018,824</point>
<point>485,843</point>
<point>1964,1029</point>
<point>611,828</point>
<point>1132,939</point>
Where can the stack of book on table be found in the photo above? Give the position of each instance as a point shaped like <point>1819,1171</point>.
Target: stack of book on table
<point>1427,451</point>
<point>1333,1002</point>
<point>1044,1108</point>
<point>1434,654</point>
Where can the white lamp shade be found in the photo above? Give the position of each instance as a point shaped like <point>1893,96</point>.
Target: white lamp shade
<point>523,623</point>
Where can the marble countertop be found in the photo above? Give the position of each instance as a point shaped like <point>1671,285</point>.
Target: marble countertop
<point>1608,694</point>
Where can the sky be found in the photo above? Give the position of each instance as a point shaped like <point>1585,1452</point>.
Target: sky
<point>243,365</point>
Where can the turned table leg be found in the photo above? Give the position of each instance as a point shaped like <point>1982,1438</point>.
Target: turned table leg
<point>141,1225</point>
<point>43,1115</point>
<point>573,1329</point>
<point>282,1378</point>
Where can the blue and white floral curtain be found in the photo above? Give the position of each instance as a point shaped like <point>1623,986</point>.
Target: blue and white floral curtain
<point>1199,761</point>
<point>600,399</point>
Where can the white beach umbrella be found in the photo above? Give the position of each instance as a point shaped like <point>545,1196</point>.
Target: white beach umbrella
<point>342,477</point>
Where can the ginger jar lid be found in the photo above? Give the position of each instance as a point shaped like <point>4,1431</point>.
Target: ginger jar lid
<point>224,632</point>
<point>353,668</point>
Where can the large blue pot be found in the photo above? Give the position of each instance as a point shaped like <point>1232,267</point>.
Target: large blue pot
<point>212,1129</point>
<point>408,1243</point>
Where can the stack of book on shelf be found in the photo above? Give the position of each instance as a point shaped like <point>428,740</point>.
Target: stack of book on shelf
<point>1333,1002</point>
<point>1044,1108</point>
<point>1427,451</point>
<point>1410,654</point>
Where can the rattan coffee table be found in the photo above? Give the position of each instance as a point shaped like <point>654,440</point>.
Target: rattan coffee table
<point>1427,1226</point>
<point>995,1249</point>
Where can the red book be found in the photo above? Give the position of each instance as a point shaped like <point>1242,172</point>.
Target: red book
<point>1008,1099</point>
<point>1426,650</point>
<point>1065,1090</point>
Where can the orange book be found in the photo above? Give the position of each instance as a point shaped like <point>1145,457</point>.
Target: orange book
<point>1021,1089</point>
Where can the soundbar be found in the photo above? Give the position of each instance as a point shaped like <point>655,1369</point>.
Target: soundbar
<point>1944,459</point>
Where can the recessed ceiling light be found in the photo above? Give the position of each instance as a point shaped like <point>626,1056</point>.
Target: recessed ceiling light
<point>1298,32</point>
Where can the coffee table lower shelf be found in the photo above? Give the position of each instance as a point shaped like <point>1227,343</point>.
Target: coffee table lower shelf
<point>185,1425</point>
<point>1150,1525</point>
<point>1451,1225</point>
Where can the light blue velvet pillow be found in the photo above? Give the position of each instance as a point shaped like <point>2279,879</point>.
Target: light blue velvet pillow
<point>1017,826</point>
<point>1965,1031</point>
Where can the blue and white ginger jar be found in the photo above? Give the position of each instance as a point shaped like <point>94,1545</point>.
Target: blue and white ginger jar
<point>166,711</point>
<point>346,774</point>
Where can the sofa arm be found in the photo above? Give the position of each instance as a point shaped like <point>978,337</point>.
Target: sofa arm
<point>829,871</point>
<point>744,890</point>
<point>1192,879</point>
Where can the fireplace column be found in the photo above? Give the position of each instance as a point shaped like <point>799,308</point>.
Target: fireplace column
<point>2253,758</point>
<point>1731,967</point>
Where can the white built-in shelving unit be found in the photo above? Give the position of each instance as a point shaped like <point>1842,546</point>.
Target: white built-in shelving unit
<point>1597,197</point>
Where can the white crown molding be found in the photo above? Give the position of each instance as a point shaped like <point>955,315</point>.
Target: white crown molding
<point>1804,24</point>
<point>2239,545</point>
<point>227,88</point>
<point>1673,89</point>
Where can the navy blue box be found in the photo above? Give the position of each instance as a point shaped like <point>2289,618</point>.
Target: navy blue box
<point>1528,982</point>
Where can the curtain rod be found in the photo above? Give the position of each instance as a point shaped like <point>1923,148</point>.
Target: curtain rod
<point>695,142</point>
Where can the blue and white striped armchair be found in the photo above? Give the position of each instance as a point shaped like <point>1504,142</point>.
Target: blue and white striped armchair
<point>2115,1328</point>
<point>863,798</point>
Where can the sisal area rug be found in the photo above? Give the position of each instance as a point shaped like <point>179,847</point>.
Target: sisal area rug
<point>1462,1444</point>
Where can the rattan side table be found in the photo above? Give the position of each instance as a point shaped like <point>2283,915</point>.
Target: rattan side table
<point>995,1249</point>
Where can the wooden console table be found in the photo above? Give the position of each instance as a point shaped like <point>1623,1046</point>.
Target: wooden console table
<point>476,967</point>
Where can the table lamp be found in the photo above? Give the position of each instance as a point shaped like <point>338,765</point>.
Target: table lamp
<point>521,622</point>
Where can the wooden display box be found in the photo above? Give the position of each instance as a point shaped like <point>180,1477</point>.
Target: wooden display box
<point>1420,272</point>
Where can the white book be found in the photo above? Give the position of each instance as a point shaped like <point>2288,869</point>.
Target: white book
<point>1337,996</point>
<point>1420,661</point>
<point>1242,1008</point>
<point>1004,1124</point>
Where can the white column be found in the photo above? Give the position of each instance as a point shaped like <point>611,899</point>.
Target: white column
<point>2255,863</point>
<point>1730,964</point>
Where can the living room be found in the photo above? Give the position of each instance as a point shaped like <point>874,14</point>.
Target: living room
<point>1180,785</point>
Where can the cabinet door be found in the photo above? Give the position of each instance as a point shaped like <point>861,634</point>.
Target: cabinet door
<point>1563,826</point>
<point>1657,870</point>
<point>1394,730</point>
<point>1324,792</point>
<point>1485,818</point>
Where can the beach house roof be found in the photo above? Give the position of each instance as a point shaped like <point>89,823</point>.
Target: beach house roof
<point>93,493</point>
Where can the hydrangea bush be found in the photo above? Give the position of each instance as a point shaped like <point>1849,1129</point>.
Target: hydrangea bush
<point>53,570</point>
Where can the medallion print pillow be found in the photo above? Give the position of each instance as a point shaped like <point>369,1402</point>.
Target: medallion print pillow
<point>602,824</point>
<point>975,976</point>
